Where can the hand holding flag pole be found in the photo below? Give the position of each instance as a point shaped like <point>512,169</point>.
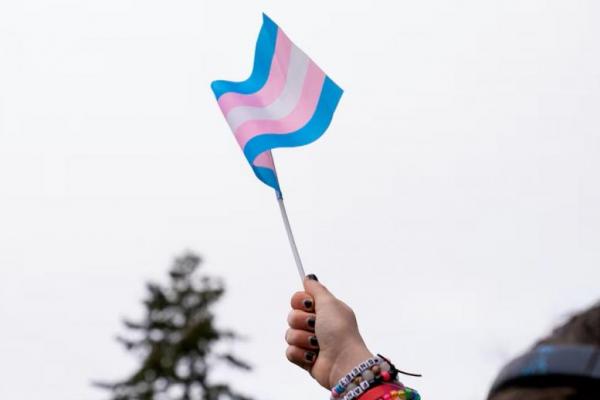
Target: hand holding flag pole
<point>287,101</point>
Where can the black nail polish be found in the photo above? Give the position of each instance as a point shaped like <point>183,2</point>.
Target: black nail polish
<point>313,341</point>
<point>308,304</point>
<point>311,322</point>
<point>310,356</point>
<point>312,277</point>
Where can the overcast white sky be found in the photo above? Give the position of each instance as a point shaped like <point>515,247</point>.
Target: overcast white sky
<point>454,201</point>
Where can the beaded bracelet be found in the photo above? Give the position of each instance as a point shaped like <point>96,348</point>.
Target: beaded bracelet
<point>369,374</point>
<point>345,381</point>
<point>391,392</point>
<point>404,393</point>
<point>377,375</point>
<point>400,393</point>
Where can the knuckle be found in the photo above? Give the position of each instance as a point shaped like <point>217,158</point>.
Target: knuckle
<point>291,317</point>
<point>289,353</point>
<point>288,336</point>
<point>293,298</point>
<point>347,310</point>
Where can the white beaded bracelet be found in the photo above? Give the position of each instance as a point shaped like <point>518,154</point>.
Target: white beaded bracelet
<point>343,383</point>
<point>357,391</point>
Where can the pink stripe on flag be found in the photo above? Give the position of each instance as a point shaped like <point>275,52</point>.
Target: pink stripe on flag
<point>274,85</point>
<point>303,111</point>
<point>264,160</point>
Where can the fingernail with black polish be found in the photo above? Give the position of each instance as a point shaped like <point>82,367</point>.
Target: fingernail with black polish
<point>313,341</point>
<point>311,322</point>
<point>312,277</point>
<point>308,304</point>
<point>309,356</point>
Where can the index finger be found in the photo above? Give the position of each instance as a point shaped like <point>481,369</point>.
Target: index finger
<point>303,301</point>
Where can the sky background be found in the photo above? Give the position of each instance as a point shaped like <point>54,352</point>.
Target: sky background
<point>454,201</point>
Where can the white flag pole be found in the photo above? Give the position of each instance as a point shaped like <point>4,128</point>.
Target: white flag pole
<point>290,236</point>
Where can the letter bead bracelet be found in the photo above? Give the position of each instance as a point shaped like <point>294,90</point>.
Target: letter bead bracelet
<point>369,374</point>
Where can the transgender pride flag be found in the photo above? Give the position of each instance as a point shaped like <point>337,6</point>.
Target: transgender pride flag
<point>287,101</point>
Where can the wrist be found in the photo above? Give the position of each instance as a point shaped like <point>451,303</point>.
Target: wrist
<point>350,357</point>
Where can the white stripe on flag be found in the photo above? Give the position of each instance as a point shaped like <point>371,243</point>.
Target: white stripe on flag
<point>285,103</point>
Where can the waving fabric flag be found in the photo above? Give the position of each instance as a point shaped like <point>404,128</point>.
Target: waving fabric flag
<point>287,101</point>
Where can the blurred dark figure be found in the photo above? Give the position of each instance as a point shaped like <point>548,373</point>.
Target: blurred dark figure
<point>176,341</point>
<point>563,366</point>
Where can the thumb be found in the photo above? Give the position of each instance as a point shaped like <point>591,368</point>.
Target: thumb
<point>313,287</point>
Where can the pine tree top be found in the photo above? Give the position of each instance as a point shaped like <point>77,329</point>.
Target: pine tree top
<point>176,339</point>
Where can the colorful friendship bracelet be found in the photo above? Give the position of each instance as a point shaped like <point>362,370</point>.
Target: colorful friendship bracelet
<point>402,394</point>
<point>370,374</point>
<point>391,391</point>
<point>377,375</point>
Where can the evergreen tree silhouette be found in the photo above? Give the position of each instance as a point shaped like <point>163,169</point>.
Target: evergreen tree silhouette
<point>176,341</point>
